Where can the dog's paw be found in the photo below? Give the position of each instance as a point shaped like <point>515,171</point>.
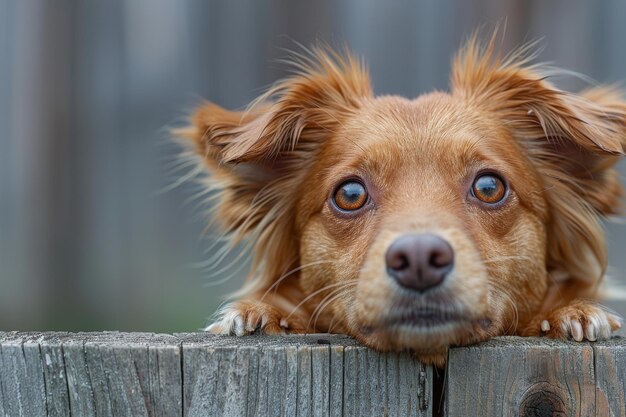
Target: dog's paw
<point>246,317</point>
<point>579,321</point>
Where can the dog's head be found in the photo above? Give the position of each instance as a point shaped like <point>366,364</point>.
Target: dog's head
<point>418,223</point>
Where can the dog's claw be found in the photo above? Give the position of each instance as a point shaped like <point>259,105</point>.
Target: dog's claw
<point>590,332</point>
<point>576,330</point>
<point>237,326</point>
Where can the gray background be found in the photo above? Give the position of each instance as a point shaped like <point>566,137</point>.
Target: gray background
<point>91,237</point>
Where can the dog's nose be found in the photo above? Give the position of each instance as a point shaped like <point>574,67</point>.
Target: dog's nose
<point>419,262</point>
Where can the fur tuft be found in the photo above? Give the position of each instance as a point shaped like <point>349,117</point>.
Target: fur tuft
<point>574,141</point>
<point>258,157</point>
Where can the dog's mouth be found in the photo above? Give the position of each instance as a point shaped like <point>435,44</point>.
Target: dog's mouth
<point>427,320</point>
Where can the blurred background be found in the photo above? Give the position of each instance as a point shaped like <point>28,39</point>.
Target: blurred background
<point>95,230</point>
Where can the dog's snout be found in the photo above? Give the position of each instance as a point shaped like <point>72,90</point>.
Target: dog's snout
<point>419,262</point>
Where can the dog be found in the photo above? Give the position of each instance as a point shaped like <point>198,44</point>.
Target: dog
<point>418,224</point>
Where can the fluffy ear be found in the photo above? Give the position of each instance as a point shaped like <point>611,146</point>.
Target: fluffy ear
<point>573,140</point>
<point>257,158</point>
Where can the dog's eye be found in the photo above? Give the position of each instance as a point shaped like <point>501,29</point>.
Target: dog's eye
<point>350,196</point>
<point>489,188</point>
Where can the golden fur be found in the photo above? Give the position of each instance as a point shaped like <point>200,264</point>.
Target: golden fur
<point>530,266</point>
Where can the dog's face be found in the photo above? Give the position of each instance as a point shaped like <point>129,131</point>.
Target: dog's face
<point>433,218</point>
<point>416,223</point>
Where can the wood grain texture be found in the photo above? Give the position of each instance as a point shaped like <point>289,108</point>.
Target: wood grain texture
<point>610,366</point>
<point>521,377</point>
<point>99,374</point>
<point>311,375</point>
<point>23,388</point>
<point>143,374</point>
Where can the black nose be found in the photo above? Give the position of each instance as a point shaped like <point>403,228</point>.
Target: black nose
<point>419,262</point>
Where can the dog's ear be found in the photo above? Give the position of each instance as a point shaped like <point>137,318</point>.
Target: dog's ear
<point>573,140</point>
<point>257,158</point>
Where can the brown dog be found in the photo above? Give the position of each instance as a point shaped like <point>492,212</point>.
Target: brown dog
<point>424,223</point>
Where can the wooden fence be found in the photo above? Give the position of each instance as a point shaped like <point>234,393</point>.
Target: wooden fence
<point>141,374</point>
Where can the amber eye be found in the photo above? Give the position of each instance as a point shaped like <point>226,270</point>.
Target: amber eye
<point>350,196</point>
<point>489,188</point>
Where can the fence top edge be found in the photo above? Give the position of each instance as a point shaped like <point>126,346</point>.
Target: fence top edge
<point>176,339</point>
<point>203,339</point>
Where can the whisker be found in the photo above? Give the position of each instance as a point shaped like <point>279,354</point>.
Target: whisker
<point>286,275</point>
<point>506,297</point>
<point>313,294</point>
<point>326,302</point>
<point>330,325</point>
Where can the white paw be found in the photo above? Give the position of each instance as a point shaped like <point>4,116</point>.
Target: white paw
<point>243,318</point>
<point>582,321</point>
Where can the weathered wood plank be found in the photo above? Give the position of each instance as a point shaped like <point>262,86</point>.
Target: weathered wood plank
<point>80,389</point>
<point>336,381</point>
<point>276,380</point>
<point>165,372</point>
<point>121,375</point>
<point>138,374</point>
<point>100,374</point>
<point>309,375</point>
<point>304,382</point>
<point>320,380</point>
<point>291,395</point>
<point>390,384</point>
<point>55,377</point>
<point>23,387</point>
<point>521,377</point>
<point>200,379</point>
<point>610,366</point>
